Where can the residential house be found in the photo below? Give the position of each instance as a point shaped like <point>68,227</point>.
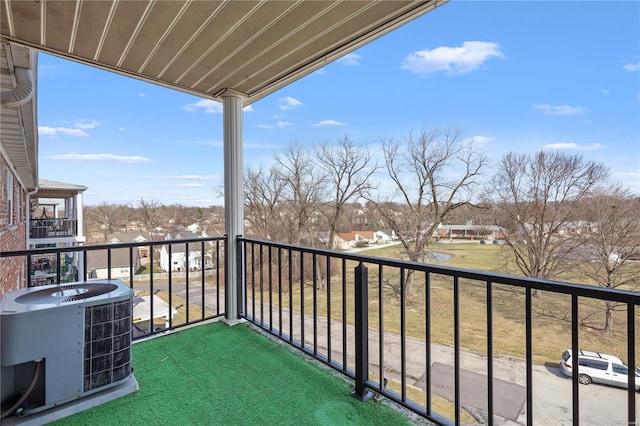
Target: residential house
<point>133,237</point>
<point>347,240</point>
<point>185,256</point>
<point>121,266</point>
<point>385,235</point>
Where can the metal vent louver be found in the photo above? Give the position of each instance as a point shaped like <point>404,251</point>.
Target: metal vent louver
<point>107,348</point>
<point>65,293</point>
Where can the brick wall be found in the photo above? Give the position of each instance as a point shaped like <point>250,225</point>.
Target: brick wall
<point>12,236</point>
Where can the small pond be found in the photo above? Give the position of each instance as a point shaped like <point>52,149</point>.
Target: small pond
<point>434,255</point>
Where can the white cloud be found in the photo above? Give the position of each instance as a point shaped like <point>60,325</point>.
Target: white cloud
<point>279,125</point>
<point>572,146</point>
<point>632,67</point>
<point>121,128</point>
<point>209,106</point>
<point>87,124</point>
<point>350,60</point>
<point>604,91</point>
<point>328,123</point>
<point>559,109</point>
<point>52,131</point>
<point>452,60</point>
<point>478,139</point>
<point>178,177</point>
<point>185,185</point>
<point>101,157</point>
<point>142,95</point>
<point>288,103</point>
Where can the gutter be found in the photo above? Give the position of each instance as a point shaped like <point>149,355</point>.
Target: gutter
<point>23,92</point>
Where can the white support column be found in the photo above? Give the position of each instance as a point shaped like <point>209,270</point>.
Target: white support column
<point>79,213</point>
<point>233,199</point>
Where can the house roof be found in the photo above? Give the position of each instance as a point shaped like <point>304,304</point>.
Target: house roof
<point>127,237</point>
<point>206,47</point>
<point>97,259</point>
<point>53,189</point>
<point>352,236</point>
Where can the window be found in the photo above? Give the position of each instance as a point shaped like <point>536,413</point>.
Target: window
<point>592,363</point>
<point>620,369</point>
<point>10,204</point>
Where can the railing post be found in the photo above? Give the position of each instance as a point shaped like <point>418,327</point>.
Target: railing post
<point>362,333</point>
<point>240,278</point>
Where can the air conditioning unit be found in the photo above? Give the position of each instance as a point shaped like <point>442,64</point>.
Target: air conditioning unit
<point>64,348</point>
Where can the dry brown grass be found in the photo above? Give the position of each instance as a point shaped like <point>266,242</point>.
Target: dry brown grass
<point>551,313</point>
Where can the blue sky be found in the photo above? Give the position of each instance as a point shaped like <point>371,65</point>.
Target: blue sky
<point>519,76</point>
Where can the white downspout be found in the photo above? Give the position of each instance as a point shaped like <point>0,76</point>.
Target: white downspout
<point>22,93</point>
<point>233,199</point>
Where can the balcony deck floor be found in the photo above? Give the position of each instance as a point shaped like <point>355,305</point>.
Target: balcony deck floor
<point>215,374</point>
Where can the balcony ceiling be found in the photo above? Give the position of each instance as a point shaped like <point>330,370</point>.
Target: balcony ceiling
<point>199,47</point>
<point>57,190</point>
<point>205,47</point>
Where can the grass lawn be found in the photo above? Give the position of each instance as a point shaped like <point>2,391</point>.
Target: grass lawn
<point>551,312</point>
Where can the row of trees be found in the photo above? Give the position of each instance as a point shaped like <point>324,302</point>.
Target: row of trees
<point>425,180</point>
<point>309,193</point>
<point>146,215</point>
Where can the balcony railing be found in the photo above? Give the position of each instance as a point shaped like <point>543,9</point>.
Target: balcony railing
<point>176,299</point>
<point>405,330</point>
<point>429,337</point>
<point>53,228</point>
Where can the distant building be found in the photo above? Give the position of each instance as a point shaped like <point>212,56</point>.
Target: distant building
<point>133,237</point>
<point>185,256</point>
<point>488,232</point>
<point>97,263</point>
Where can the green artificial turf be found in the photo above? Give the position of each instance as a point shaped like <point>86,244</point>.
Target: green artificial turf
<point>219,375</point>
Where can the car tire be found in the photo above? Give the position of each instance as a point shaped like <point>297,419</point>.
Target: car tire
<point>584,379</point>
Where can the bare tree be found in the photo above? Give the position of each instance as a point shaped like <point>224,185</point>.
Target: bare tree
<point>149,214</point>
<point>349,170</point>
<point>536,197</point>
<point>304,192</point>
<point>432,174</point>
<point>104,216</point>
<point>612,247</point>
<point>263,192</point>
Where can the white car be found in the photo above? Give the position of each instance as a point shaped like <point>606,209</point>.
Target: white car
<point>598,368</point>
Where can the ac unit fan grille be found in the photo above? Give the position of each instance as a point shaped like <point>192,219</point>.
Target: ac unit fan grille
<point>65,293</point>
<point>107,350</point>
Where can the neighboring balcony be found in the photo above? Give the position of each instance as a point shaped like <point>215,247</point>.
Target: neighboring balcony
<point>462,347</point>
<point>53,228</point>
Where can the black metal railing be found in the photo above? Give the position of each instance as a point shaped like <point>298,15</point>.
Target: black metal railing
<point>379,321</point>
<point>193,294</point>
<point>385,323</point>
<point>53,228</point>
